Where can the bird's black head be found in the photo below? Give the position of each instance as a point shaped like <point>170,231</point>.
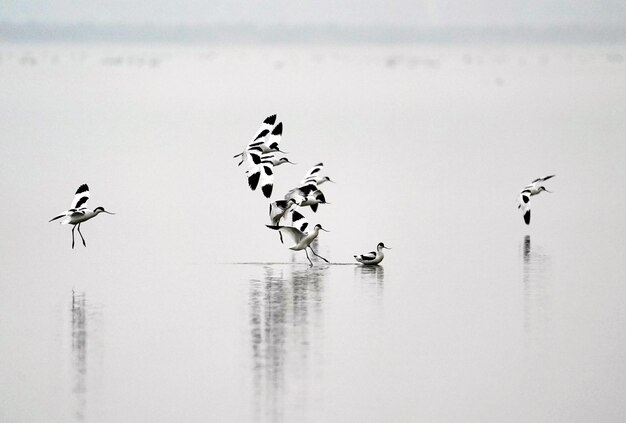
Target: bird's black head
<point>318,226</point>
<point>381,245</point>
<point>101,210</point>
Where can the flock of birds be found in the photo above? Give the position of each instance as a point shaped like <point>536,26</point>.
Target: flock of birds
<point>260,157</point>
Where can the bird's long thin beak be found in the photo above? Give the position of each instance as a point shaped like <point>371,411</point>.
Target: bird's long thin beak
<point>288,161</point>
<point>324,230</point>
<point>330,180</point>
<point>108,212</point>
<point>387,248</point>
<point>551,192</point>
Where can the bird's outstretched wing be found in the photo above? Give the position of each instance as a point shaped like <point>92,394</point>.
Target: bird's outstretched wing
<point>274,137</point>
<point>58,217</point>
<point>524,205</point>
<point>81,197</point>
<point>295,219</point>
<point>267,177</point>
<point>254,148</point>
<point>262,173</point>
<point>543,179</point>
<point>295,234</point>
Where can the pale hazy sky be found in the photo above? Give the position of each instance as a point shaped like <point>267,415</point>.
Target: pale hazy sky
<point>396,12</point>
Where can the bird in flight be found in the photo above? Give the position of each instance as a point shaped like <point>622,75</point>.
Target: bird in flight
<point>78,214</point>
<point>529,190</point>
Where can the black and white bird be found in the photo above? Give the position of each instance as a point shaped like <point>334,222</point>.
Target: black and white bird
<point>528,191</point>
<point>374,257</point>
<point>307,193</point>
<point>77,214</point>
<point>265,140</point>
<point>301,240</point>
<point>261,156</point>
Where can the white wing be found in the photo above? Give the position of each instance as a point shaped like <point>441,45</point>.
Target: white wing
<point>543,179</point>
<point>296,220</point>
<point>256,146</point>
<point>81,196</point>
<point>295,234</point>
<point>264,130</point>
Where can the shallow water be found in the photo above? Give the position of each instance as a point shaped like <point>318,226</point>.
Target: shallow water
<point>183,307</point>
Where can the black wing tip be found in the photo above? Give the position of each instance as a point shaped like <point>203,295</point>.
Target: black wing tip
<point>275,227</point>
<point>267,190</point>
<point>82,201</point>
<point>262,134</point>
<point>278,129</point>
<point>82,188</point>
<point>270,119</point>
<point>253,180</point>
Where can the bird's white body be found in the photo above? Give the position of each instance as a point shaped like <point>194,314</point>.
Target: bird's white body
<point>78,216</point>
<point>304,241</point>
<point>372,258</point>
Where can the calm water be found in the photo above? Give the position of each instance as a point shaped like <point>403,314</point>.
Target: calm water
<point>184,307</point>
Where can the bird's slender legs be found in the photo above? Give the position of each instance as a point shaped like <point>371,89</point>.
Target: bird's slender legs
<point>307,256</point>
<point>317,254</point>
<point>74,227</point>
<point>81,235</point>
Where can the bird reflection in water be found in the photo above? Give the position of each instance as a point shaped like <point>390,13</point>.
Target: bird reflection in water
<point>372,278</point>
<point>79,352</point>
<point>536,265</point>
<point>285,316</point>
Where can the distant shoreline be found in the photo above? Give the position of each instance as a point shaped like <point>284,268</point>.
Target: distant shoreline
<point>302,34</point>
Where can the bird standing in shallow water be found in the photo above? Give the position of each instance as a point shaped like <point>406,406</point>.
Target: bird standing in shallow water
<point>533,188</point>
<point>302,240</point>
<point>373,257</point>
<point>76,214</point>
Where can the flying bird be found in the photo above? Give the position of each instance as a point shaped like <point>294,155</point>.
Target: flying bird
<point>260,156</point>
<point>265,140</point>
<point>307,193</point>
<point>534,188</point>
<point>373,257</point>
<point>301,240</point>
<point>77,214</point>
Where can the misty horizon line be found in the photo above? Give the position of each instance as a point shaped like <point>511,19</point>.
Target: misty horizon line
<point>306,32</point>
